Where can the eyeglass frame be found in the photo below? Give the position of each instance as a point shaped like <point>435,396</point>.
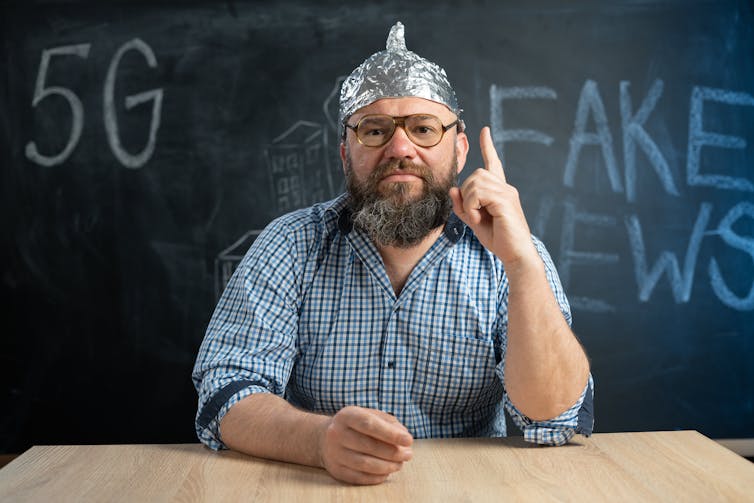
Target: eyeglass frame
<point>400,121</point>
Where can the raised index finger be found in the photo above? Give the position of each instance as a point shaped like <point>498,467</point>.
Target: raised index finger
<point>489,154</point>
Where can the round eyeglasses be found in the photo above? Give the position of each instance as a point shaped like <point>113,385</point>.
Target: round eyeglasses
<point>424,130</point>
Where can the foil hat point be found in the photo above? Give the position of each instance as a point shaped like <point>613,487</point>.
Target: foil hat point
<point>394,73</point>
<point>396,40</point>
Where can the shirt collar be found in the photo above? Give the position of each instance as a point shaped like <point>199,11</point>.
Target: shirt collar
<point>334,211</point>
<point>454,227</point>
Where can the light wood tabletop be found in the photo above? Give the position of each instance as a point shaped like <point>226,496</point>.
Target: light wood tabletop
<point>646,466</point>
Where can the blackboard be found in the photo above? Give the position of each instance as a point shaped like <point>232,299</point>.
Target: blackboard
<point>145,144</point>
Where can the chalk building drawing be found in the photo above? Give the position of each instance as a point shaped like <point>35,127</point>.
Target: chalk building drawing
<point>297,166</point>
<point>300,168</point>
<point>299,163</point>
<point>228,259</point>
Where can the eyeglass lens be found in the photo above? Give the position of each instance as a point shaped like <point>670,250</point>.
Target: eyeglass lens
<point>376,130</point>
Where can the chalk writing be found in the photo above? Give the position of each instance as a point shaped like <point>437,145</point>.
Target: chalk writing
<point>110,118</point>
<point>570,256</point>
<point>590,100</point>
<point>680,282</point>
<point>647,273</point>
<point>698,138</point>
<point>41,91</point>
<point>77,109</point>
<point>742,243</point>
<point>634,132</point>
<point>501,135</point>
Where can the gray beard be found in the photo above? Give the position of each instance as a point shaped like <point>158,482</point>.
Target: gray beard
<point>393,218</point>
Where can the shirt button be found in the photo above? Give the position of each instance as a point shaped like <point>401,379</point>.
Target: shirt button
<point>390,364</point>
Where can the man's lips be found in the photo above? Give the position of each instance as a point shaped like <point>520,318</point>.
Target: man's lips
<point>401,177</point>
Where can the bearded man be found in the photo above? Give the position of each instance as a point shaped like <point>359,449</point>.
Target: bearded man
<point>406,308</point>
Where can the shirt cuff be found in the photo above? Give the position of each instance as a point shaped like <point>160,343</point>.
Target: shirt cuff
<point>559,430</point>
<point>208,418</point>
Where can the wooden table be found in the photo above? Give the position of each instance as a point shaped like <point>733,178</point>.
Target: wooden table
<point>656,466</point>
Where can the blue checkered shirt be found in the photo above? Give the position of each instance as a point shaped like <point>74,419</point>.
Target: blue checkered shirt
<point>310,315</point>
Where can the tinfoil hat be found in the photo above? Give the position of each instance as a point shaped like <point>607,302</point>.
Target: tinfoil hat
<point>394,73</point>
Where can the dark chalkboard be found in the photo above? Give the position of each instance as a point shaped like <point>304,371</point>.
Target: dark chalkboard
<point>144,144</point>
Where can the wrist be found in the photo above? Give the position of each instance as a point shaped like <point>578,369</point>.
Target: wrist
<point>523,264</point>
<point>320,441</point>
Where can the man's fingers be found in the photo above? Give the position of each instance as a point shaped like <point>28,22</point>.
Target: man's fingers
<point>387,417</point>
<point>359,442</point>
<point>457,199</point>
<point>492,162</point>
<point>375,426</point>
<point>352,476</point>
<point>364,446</point>
<point>468,214</point>
<point>368,464</point>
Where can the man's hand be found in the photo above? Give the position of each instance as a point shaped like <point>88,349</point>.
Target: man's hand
<point>364,446</point>
<point>545,366</point>
<point>491,207</point>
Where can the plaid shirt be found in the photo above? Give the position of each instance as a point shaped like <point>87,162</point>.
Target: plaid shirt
<point>310,315</point>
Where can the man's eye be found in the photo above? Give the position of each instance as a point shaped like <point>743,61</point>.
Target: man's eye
<point>373,132</point>
<point>424,130</point>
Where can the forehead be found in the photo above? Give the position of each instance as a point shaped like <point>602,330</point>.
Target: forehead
<point>405,106</point>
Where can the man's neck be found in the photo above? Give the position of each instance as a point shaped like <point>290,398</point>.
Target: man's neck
<point>399,262</point>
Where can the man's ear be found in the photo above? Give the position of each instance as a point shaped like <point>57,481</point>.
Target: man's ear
<point>343,149</point>
<point>462,150</point>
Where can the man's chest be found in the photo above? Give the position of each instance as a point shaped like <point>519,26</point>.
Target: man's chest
<point>358,344</point>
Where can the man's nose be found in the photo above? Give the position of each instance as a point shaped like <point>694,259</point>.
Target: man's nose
<point>400,146</point>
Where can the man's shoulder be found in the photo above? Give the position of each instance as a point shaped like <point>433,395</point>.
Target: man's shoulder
<point>298,234</point>
<point>474,254</point>
<point>320,217</point>
<point>464,237</point>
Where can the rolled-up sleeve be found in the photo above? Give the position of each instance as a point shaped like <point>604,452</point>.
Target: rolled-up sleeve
<point>579,418</point>
<point>250,343</point>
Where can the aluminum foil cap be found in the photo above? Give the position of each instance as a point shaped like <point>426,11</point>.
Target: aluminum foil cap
<point>394,73</point>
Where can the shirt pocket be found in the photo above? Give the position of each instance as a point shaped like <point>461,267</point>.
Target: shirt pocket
<point>455,373</point>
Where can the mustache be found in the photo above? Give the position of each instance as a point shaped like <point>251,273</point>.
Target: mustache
<point>400,166</point>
